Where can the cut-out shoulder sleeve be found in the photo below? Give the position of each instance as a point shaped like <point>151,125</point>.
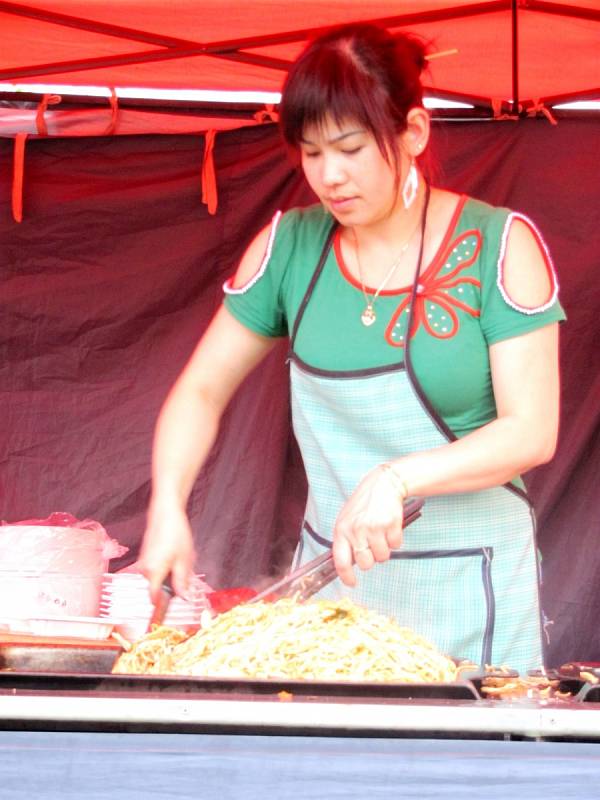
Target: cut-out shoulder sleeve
<point>525,274</point>
<point>259,252</point>
<point>253,294</point>
<point>519,283</point>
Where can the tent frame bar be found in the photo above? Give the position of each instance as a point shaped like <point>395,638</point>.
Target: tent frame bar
<point>560,9</point>
<point>228,49</point>
<point>222,47</point>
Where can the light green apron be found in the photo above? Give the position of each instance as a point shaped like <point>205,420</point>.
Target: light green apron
<point>466,576</point>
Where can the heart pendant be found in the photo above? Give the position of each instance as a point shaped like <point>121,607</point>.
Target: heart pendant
<point>368,316</point>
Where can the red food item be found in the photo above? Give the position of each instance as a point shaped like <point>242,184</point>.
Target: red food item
<point>223,599</point>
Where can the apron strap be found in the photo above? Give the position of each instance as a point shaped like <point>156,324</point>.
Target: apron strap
<point>410,372</point>
<point>313,281</point>
<point>435,417</point>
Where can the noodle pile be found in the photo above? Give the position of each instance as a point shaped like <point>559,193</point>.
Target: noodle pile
<point>318,640</point>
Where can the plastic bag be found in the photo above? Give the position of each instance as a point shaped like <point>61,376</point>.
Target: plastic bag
<point>62,519</point>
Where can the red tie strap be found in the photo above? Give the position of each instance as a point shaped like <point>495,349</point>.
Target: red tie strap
<point>209,180</point>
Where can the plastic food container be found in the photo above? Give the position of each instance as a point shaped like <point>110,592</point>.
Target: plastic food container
<point>77,627</point>
<point>28,594</point>
<point>53,567</point>
<point>126,596</point>
<point>54,548</point>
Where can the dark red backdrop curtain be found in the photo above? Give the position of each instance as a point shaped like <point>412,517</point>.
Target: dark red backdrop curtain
<point>115,271</point>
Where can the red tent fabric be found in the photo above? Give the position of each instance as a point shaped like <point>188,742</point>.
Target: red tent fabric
<point>117,264</point>
<point>246,44</point>
<point>116,270</point>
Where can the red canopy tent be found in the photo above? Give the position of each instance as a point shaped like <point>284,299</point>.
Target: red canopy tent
<point>117,264</point>
<point>517,50</point>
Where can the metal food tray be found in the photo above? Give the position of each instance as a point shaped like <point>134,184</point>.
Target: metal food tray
<point>18,658</point>
<point>89,670</point>
<point>589,693</point>
<point>144,703</point>
<point>228,687</point>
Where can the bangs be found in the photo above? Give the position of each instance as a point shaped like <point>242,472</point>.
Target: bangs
<point>328,85</point>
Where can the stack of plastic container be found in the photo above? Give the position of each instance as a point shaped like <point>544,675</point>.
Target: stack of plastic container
<point>52,570</point>
<point>125,597</point>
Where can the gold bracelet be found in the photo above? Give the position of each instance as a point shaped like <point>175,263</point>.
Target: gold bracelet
<point>399,482</point>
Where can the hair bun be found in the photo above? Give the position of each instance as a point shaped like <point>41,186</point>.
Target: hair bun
<point>413,48</point>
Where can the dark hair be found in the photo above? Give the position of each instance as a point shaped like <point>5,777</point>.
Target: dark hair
<point>359,72</point>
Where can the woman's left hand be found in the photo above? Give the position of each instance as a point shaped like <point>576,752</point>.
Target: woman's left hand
<point>369,525</point>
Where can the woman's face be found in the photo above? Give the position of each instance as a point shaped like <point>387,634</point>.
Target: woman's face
<point>347,171</point>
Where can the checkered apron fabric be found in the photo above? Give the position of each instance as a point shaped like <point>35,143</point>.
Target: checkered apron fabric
<point>466,575</point>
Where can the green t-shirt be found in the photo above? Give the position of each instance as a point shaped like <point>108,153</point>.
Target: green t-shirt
<point>461,308</point>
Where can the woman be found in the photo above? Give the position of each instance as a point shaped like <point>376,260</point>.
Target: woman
<point>423,358</point>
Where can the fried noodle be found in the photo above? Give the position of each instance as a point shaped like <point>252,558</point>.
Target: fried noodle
<point>317,640</point>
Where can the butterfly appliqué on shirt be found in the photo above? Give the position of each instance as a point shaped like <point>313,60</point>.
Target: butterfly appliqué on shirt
<point>437,298</point>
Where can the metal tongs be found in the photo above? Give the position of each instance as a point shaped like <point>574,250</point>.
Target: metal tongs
<point>307,580</point>
<point>161,604</point>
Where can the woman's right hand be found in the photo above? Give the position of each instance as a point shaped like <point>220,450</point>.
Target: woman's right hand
<point>167,548</point>
<point>187,428</point>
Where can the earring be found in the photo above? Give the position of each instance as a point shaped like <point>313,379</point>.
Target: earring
<point>411,185</point>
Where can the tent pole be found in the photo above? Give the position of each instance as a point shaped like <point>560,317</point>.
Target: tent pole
<point>515,56</point>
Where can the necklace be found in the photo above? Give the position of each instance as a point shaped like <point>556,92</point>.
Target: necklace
<point>369,316</point>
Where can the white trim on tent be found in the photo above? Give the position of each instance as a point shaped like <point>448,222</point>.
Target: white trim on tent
<point>180,95</point>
